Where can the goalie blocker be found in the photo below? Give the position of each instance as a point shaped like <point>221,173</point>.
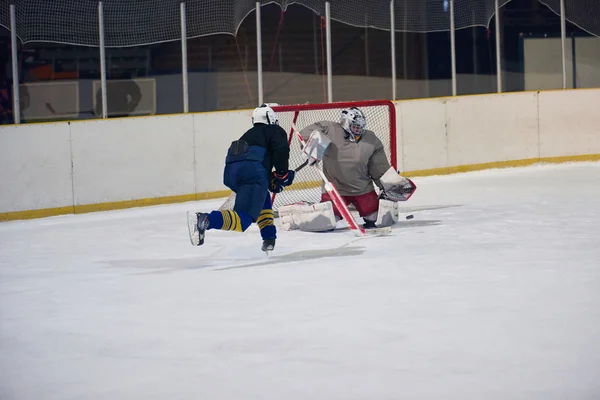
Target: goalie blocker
<point>322,217</point>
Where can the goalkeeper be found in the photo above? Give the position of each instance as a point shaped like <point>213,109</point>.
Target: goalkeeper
<point>248,167</point>
<point>354,160</point>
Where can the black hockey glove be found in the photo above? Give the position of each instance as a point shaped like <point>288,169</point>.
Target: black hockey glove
<point>279,181</point>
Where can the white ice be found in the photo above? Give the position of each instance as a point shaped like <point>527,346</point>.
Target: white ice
<point>492,291</point>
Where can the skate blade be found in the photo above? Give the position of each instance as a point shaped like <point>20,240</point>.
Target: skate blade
<point>192,220</point>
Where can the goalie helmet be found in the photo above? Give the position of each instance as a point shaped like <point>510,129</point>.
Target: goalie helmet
<point>264,115</point>
<point>354,122</point>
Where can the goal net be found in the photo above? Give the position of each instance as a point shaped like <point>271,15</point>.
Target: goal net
<point>381,119</point>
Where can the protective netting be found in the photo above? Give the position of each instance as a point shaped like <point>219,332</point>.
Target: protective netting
<point>143,22</point>
<point>380,117</point>
<point>56,21</point>
<point>583,13</point>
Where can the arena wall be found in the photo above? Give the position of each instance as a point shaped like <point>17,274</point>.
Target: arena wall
<point>72,167</point>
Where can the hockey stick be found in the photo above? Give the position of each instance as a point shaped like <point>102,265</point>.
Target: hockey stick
<point>231,198</point>
<point>339,202</point>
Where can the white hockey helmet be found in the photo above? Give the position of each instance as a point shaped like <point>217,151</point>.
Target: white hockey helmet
<point>264,115</point>
<point>354,122</point>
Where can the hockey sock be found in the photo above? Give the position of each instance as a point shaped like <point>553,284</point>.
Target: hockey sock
<point>229,220</point>
<point>266,224</point>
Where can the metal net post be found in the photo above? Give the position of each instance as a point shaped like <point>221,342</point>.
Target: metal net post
<point>563,40</point>
<point>15,65</point>
<point>259,66</point>
<point>184,59</point>
<point>329,58</point>
<point>498,48</point>
<point>453,47</point>
<point>102,59</point>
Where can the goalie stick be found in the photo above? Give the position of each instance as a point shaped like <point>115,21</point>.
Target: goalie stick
<point>339,202</point>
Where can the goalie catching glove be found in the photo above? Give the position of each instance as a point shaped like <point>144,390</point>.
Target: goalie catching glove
<point>280,180</point>
<point>395,187</point>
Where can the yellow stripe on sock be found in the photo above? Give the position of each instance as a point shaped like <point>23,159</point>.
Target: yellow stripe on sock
<point>265,214</point>
<point>265,218</point>
<point>231,221</point>
<point>237,222</point>
<point>226,220</point>
<point>264,224</point>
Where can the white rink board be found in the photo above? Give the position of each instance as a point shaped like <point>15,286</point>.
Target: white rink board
<point>213,134</point>
<point>484,129</point>
<point>569,123</point>
<point>132,158</point>
<point>35,167</point>
<point>178,155</point>
<point>423,133</point>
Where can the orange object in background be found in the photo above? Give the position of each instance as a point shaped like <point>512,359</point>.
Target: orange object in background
<point>46,73</point>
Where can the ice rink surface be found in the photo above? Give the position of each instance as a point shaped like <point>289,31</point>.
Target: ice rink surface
<point>492,291</point>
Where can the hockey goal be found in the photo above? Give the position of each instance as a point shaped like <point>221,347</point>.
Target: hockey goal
<point>381,119</point>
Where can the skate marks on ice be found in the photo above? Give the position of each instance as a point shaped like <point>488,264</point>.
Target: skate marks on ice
<point>303,255</point>
<point>216,260</point>
<point>164,266</point>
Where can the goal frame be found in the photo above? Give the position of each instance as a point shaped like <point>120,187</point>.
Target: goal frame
<point>297,108</point>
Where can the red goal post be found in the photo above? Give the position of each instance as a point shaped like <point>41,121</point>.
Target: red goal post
<point>381,119</point>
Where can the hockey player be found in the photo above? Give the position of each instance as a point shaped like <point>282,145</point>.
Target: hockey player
<point>354,160</point>
<point>248,173</point>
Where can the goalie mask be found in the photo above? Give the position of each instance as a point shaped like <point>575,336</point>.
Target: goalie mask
<point>264,115</point>
<point>354,122</point>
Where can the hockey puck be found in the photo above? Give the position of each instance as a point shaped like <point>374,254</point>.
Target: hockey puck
<point>410,216</point>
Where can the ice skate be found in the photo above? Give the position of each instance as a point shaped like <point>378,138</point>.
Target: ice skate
<point>197,225</point>
<point>268,245</point>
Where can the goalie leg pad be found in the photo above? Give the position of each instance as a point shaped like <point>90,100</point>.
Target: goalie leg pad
<point>388,213</point>
<point>317,217</point>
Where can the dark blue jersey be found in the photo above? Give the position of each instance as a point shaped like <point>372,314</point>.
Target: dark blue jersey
<point>274,139</point>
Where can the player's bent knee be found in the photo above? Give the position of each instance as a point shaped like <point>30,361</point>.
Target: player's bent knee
<point>245,220</point>
<point>317,217</point>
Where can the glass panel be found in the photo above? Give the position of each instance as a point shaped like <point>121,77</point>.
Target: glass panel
<point>586,65</point>
<point>143,80</point>
<point>293,56</point>
<point>57,81</point>
<point>532,53</point>
<point>222,70</point>
<point>361,63</point>
<point>6,96</point>
<point>475,62</point>
<point>423,66</point>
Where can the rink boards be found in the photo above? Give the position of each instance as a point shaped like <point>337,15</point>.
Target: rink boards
<point>71,167</point>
